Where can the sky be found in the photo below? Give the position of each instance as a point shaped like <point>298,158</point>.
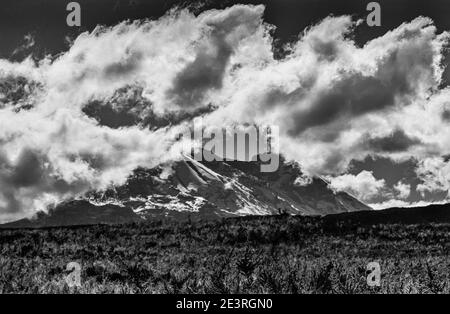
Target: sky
<point>364,107</point>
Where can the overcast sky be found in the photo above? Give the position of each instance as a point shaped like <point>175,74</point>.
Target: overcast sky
<point>365,107</point>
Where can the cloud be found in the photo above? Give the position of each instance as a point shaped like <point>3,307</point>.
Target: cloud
<point>364,185</point>
<point>225,29</point>
<point>18,92</point>
<point>446,115</point>
<point>117,98</point>
<point>401,204</point>
<point>53,150</point>
<point>435,175</point>
<point>27,45</point>
<point>64,156</point>
<point>303,180</point>
<point>397,141</point>
<point>329,92</point>
<point>403,190</point>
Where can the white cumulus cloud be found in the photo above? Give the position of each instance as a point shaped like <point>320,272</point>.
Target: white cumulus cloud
<point>363,185</point>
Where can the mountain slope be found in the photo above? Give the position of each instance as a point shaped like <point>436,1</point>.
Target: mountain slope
<point>225,189</point>
<point>405,216</point>
<point>75,213</point>
<point>187,189</point>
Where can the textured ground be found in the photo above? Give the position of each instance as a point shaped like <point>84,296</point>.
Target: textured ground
<point>278,254</point>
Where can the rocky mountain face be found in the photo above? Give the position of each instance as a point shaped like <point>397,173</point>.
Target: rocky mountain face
<point>225,189</point>
<point>188,189</point>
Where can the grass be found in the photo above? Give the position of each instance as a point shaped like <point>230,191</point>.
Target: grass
<point>277,254</point>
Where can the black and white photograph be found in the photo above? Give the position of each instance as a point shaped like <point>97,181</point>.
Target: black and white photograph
<point>224,152</point>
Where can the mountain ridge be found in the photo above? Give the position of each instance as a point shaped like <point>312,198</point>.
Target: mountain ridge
<point>188,189</point>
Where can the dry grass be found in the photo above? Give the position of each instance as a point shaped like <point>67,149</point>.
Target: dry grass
<point>250,255</point>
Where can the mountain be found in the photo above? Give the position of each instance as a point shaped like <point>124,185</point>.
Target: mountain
<point>76,213</point>
<point>225,189</point>
<point>405,216</point>
<point>188,189</point>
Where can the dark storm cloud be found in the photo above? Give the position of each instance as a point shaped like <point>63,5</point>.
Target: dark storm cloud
<point>446,115</point>
<point>398,141</point>
<point>355,94</point>
<point>126,66</point>
<point>351,96</point>
<point>333,161</point>
<point>28,170</point>
<point>28,178</point>
<point>204,73</point>
<point>108,116</point>
<point>127,107</point>
<point>207,70</point>
<point>327,50</point>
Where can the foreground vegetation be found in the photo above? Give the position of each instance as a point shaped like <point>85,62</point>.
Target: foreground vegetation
<point>279,254</point>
